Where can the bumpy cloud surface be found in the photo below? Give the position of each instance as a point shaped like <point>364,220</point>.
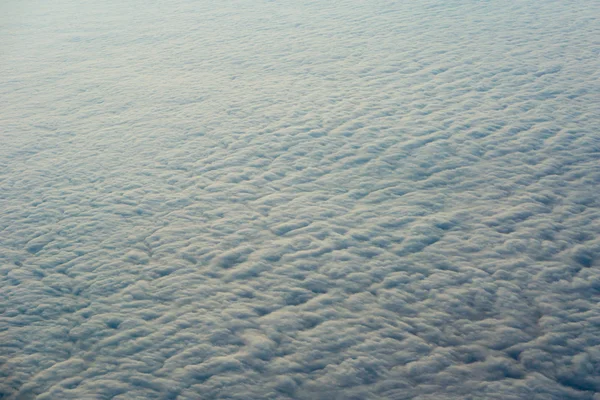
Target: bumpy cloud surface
<point>254,199</point>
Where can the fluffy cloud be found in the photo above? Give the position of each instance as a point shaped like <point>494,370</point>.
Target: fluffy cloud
<point>296,200</point>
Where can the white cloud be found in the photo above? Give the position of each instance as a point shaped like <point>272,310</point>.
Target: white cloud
<point>299,200</point>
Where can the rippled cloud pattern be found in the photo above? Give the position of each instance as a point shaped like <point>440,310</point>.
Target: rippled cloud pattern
<point>300,199</point>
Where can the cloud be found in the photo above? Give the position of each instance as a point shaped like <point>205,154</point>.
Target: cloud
<point>296,200</point>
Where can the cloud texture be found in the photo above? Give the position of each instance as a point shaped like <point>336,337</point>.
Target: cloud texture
<point>300,200</point>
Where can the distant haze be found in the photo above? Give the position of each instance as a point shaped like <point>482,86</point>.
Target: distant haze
<point>254,199</point>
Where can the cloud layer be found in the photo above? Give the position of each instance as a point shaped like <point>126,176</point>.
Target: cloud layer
<point>298,200</point>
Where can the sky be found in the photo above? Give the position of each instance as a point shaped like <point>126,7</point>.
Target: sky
<point>297,199</point>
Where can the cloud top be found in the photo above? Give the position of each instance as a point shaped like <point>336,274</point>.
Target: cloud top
<point>296,200</point>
